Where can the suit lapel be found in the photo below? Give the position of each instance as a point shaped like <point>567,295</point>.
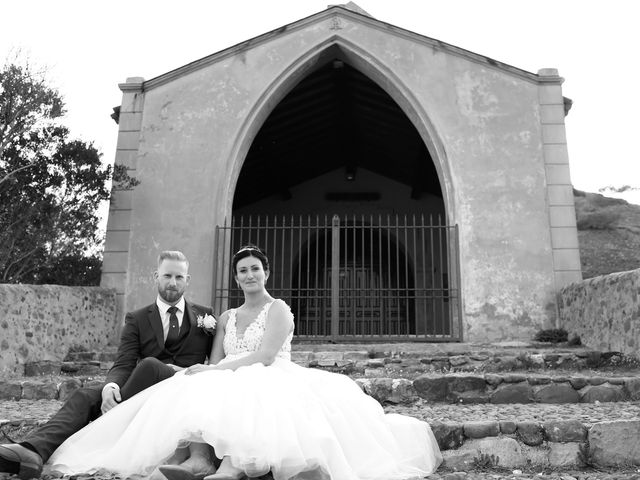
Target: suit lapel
<point>156,323</point>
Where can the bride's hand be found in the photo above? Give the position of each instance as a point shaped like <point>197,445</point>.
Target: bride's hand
<point>197,368</point>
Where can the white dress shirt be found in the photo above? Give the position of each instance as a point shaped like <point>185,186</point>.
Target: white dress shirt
<point>164,314</point>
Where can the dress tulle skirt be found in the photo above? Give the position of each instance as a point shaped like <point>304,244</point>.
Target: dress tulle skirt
<point>298,423</point>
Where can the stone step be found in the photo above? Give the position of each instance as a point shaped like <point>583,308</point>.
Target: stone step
<point>497,388</point>
<point>477,437</point>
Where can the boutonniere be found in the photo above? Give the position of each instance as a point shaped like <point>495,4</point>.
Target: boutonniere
<point>207,323</point>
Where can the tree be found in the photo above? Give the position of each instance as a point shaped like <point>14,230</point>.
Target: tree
<point>51,187</point>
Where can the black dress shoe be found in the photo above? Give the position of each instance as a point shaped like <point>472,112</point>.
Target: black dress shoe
<point>19,460</point>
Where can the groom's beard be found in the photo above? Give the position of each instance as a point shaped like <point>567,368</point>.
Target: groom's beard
<point>170,295</point>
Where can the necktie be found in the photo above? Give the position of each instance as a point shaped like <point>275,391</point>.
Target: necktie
<point>174,328</point>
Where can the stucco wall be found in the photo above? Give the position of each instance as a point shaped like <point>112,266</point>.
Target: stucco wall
<point>604,311</point>
<point>480,122</point>
<point>41,322</point>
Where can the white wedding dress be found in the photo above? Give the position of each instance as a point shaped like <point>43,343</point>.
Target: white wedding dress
<point>294,421</point>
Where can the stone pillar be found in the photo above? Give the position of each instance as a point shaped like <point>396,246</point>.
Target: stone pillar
<point>562,211</point>
<point>116,250</point>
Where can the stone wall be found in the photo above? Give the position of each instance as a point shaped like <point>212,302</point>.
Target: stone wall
<point>42,322</point>
<point>604,311</point>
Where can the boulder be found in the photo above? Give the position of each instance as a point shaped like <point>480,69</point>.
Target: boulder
<point>564,455</point>
<point>512,393</point>
<point>530,433</point>
<point>565,431</point>
<point>448,435</point>
<point>481,429</point>
<point>601,393</point>
<point>615,443</point>
<point>556,393</point>
<point>431,388</point>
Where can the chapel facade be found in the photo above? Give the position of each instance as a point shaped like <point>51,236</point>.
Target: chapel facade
<point>404,189</point>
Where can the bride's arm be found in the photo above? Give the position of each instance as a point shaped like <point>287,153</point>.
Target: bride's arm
<point>217,349</point>
<point>278,325</point>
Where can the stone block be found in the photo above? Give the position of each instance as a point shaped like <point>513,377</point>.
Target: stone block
<point>536,456</point>
<point>458,460</point>
<point>121,200</point>
<point>448,435</point>
<point>556,393</point>
<point>42,367</point>
<point>552,114</point>
<point>530,433</point>
<point>597,380</point>
<point>119,219</point>
<point>578,382</point>
<point>556,154</point>
<point>514,378</point>
<point>374,372</point>
<point>357,355</point>
<point>301,358</point>
<point>601,393</point>
<point>132,101</point>
<point>466,383</point>
<point>128,140</point>
<point>508,427</point>
<point>458,360</point>
<point>117,241</point>
<point>557,174</point>
<point>562,216</point>
<point>564,237</point>
<point>93,383</point>
<point>481,429</point>
<point>512,393</point>
<point>567,259</point>
<point>564,455</point>
<point>632,388</point>
<point>39,391</point>
<point>328,359</point>
<point>539,380</point>
<point>493,379</point>
<point>402,391</point>
<point>430,388</point>
<point>615,443</point>
<point>10,390</point>
<point>375,363</point>
<point>469,397</point>
<point>380,389</point>
<point>554,133</point>
<point>115,262</point>
<point>565,431</point>
<point>550,95</point>
<point>560,195</point>
<point>505,450</point>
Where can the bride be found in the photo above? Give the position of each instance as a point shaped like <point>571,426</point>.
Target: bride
<point>254,409</point>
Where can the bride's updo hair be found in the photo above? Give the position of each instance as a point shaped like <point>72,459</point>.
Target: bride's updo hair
<point>250,251</point>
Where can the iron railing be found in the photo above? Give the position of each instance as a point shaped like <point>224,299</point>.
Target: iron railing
<point>353,278</point>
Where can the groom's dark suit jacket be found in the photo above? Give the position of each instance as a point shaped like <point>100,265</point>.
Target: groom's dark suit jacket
<point>142,336</point>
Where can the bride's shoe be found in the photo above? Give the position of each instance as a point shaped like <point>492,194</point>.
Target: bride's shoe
<point>176,472</point>
<point>226,472</point>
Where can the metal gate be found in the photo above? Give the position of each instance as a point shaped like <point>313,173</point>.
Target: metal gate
<point>352,278</point>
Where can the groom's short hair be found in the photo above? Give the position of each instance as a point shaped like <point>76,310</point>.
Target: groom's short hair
<point>172,255</point>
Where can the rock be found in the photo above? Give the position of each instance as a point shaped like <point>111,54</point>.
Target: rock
<point>632,388</point>
<point>530,433</point>
<point>448,435</point>
<point>67,387</point>
<point>375,372</point>
<point>512,393</point>
<point>492,379</point>
<point>514,378</point>
<point>42,367</point>
<point>458,460</point>
<point>356,355</point>
<point>402,391</point>
<point>93,383</point>
<point>565,431</point>
<point>39,391</point>
<point>375,363</point>
<point>433,389</point>
<point>539,380</point>
<point>596,380</point>
<point>507,427</point>
<point>479,357</point>
<point>506,451</point>
<point>301,358</point>
<point>465,383</point>
<point>455,476</point>
<point>578,382</point>
<point>10,390</point>
<point>328,359</point>
<point>481,429</point>
<point>458,360</point>
<point>379,388</point>
<point>609,443</point>
<point>556,393</point>
<point>601,393</point>
<point>536,456</point>
<point>564,455</point>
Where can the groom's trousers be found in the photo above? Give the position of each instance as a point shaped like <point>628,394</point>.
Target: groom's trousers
<point>83,406</point>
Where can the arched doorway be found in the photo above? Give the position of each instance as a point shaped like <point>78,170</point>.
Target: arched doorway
<point>336,146</point>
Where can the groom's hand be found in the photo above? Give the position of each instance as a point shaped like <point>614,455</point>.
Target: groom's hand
<point>110,397</point>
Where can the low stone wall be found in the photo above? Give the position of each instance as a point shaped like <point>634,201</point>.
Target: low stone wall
<point>42,322</point>
<point>604,311</point>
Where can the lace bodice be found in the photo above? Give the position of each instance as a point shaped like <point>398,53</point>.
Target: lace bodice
<point>252,338</point>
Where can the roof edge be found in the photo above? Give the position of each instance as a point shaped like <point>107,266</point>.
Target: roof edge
<point>345,12</point>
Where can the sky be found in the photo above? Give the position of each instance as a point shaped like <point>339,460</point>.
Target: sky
<point>89,47</point>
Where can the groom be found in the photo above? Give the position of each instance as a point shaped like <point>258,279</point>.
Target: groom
<point>156,341</point>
